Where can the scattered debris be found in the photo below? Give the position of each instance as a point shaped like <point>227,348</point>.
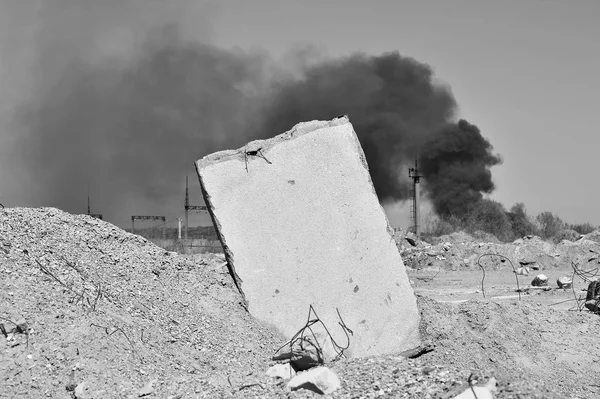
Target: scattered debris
<point>459,251</point>
<point>80,391</point>
<point>479,392</point>
<point>319,379</point>
<point>147,389</point>
<point>564,282</point>
<point>313,344</point>
<point>284,371</point>
<point>522,271</point>
<point>178,319</point>
<point>541,280</point>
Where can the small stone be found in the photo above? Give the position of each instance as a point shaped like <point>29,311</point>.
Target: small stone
<point>540,280</point>
<point>146,389</point>
<point>80,391</point>
<point>522,271</point>
<point>284,371</point>
<point>320,380</point>
<point>564,282</point>
<point>485,392</point>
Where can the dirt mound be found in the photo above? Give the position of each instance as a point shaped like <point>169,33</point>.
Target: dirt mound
<point>456,237</point>
<point>456,252</point>
<point>515,341</point>
<point>111,315</point>
<point>110,312</point>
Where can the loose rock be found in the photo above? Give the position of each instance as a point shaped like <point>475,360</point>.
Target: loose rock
<point>320,379</point>
<point>564,282</point>
<point>522,271</point>
<point>540,280</point>
<point>485,392</point>
<point>146,389</point>
<point>283,371</point>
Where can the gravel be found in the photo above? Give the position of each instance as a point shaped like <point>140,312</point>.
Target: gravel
<point>112,315</point>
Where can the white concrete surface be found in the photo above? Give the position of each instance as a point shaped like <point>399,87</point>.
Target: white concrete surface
<point>304,227</point>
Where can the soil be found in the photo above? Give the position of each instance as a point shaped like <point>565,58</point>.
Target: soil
<point>111,315</point>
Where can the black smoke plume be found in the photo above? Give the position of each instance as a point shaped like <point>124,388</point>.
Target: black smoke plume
<point>129,123</point>
<point>399,113</point>
<point>456,164</point>
<point>391,101</point>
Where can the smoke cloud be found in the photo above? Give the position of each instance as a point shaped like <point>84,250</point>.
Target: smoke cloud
<point>456,165</point>
<point>124,103</point>
<point>399,112</point>
<point>391,101</point>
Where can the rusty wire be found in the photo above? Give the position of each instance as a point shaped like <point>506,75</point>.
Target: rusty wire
<point>483,269</point>
<point>299,336</point>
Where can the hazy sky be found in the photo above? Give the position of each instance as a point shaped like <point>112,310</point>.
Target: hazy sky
<point>523,71</point>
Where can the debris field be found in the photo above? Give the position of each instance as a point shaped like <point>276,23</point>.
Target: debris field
<point>110,315</point>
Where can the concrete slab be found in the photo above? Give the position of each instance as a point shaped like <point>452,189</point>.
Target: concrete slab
<point>301,225</point>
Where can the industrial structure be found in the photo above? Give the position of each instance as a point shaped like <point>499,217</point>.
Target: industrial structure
<point>188,207</point>
<point>89,211</point>
<point>415,175</point>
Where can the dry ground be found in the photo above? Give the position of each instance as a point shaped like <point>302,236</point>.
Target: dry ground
<point>114,316</point>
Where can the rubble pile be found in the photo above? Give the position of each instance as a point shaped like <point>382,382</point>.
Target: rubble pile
<point>517,339</point>
<point>90,311</point>
<point>460,251</point>
<point>110,314</point>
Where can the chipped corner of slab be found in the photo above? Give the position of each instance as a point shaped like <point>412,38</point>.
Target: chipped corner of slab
<point>298,130</point>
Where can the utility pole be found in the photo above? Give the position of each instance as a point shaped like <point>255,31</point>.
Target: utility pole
<point>415,175</point>
<point>89,211</point>
<point>188,207</point>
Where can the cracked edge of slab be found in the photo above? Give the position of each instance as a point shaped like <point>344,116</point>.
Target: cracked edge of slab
<point>228,253</point>
<point>300,129</point>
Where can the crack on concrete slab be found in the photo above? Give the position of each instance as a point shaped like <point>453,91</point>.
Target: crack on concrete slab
<point>237,280</point>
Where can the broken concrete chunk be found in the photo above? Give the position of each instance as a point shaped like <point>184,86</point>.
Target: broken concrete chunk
<point>484,392</point>
<point>540,280</point>
<point>81,391</point>
<point>283,371</point>
<point>522,271</point>
<point>320,380</point>
<point>299,211</point>
<point>564,282</point>
<point>147,389</point>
